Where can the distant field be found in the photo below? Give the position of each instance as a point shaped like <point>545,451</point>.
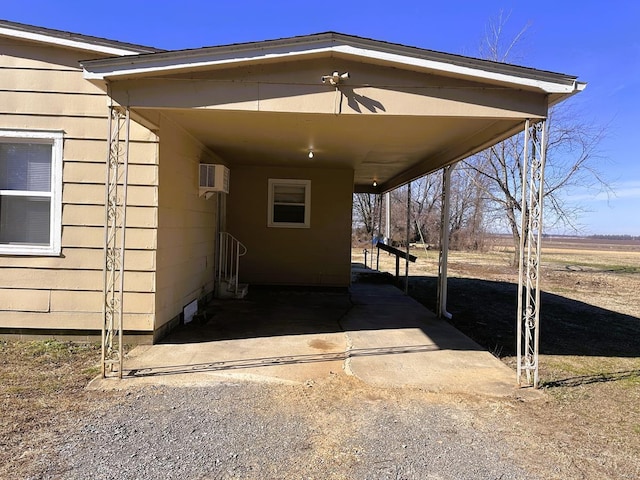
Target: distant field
<point>580,243</point>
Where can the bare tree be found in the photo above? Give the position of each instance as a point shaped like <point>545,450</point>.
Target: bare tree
<point>426,193</point>
<point>365,211</point>
<point>468,205</point>
<point>571,154</point>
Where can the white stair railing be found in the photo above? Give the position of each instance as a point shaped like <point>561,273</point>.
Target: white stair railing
<point>230,251</point>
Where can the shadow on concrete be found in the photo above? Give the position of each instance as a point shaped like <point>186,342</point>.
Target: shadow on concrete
<point>267,312</point>
<point>588,379</point>
<point>369,305</point>
<point>486,311</point>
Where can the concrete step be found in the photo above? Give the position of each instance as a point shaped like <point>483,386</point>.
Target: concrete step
<point>243,290</point>
<point>226,289</point>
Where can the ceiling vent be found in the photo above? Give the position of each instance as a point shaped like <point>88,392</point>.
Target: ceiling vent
<point>213,178</point>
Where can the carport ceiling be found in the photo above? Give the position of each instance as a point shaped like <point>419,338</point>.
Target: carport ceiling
<point>389,150</point>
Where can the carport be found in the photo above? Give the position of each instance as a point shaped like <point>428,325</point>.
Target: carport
<point>343,114</point>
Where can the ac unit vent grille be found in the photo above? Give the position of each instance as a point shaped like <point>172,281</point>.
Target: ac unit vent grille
<point>213,178</point>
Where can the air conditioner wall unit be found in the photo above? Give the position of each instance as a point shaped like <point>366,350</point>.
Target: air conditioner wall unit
<point>213,178</point>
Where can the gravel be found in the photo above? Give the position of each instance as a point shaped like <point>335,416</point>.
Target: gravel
<point>334,429</point>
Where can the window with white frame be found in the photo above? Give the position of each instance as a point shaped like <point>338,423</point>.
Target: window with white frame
<point>289,203</point>
<point>30,192</point>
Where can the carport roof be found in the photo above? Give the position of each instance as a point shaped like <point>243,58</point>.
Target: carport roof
<point>339,45</point>
<point>425,125</point>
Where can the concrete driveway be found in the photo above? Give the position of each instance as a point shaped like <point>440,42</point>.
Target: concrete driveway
<point>374,332</point>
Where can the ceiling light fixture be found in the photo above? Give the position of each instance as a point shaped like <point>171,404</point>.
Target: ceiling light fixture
<point>375,184</point>
<point>310,153</point>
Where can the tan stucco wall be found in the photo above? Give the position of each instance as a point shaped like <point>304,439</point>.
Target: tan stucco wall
<point>43,88</point>
<point>319,255</point>
<point>186,225</point>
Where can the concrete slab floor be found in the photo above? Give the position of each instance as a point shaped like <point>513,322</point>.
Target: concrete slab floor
<point>373,332</point>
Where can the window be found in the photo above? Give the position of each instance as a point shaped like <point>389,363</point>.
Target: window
<point>30,192</point>
<point>289,203</point>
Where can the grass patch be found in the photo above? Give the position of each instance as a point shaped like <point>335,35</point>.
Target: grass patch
<point>41,382</point>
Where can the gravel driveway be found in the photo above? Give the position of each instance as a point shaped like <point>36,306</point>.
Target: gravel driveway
<point>335,428</point>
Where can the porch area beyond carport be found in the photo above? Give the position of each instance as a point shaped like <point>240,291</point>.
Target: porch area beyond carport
<point>372,331</point>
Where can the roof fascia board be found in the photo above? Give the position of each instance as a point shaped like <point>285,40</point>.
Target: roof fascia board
<point>338,44</point>
<point>458,70</point>
<point>65,42</point>
<point>101,70</point>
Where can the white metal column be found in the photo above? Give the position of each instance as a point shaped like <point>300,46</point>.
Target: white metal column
<point>114,241</point>
<point>379,235</point>
<point>406,262</point>
<point>530,245</point>
<point>387,218</point>
<point>444,243</point>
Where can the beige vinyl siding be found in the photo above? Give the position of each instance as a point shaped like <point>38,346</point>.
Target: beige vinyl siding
<point>186,225</point>
<point>69,320</point>
<point>42,88</point>
<point>83,236</point>
<point>90,150</point>
<point>76,257</point>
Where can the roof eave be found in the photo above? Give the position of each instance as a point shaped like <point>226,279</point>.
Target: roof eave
<point>71,40</point>
<point>330,44</point>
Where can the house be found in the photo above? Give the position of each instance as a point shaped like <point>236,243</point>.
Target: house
<point>293,126</point>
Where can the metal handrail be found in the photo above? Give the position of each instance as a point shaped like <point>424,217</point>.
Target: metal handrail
<point>230,251</point>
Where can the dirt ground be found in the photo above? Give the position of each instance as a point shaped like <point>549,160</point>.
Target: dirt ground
<point>586,426</point>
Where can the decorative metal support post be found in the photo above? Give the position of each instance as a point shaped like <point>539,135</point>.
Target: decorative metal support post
<point>444,243</point>
<point>530,246</point>
<point>114,241</point>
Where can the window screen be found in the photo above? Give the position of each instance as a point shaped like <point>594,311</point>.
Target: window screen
<point>28,218</point>
<point>289,203</point>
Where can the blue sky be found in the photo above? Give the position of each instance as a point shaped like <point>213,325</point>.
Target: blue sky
<point>598,41</point>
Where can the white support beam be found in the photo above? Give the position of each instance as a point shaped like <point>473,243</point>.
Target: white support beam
<point>444,243</point>
<point>114,241</point>
<point>406,264</point>
<point>528,321</point>
<point>379,234</point>
<point>387,220</point>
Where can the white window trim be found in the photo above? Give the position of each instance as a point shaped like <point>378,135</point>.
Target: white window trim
<point>273,182</point>
<point>55,138</point>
